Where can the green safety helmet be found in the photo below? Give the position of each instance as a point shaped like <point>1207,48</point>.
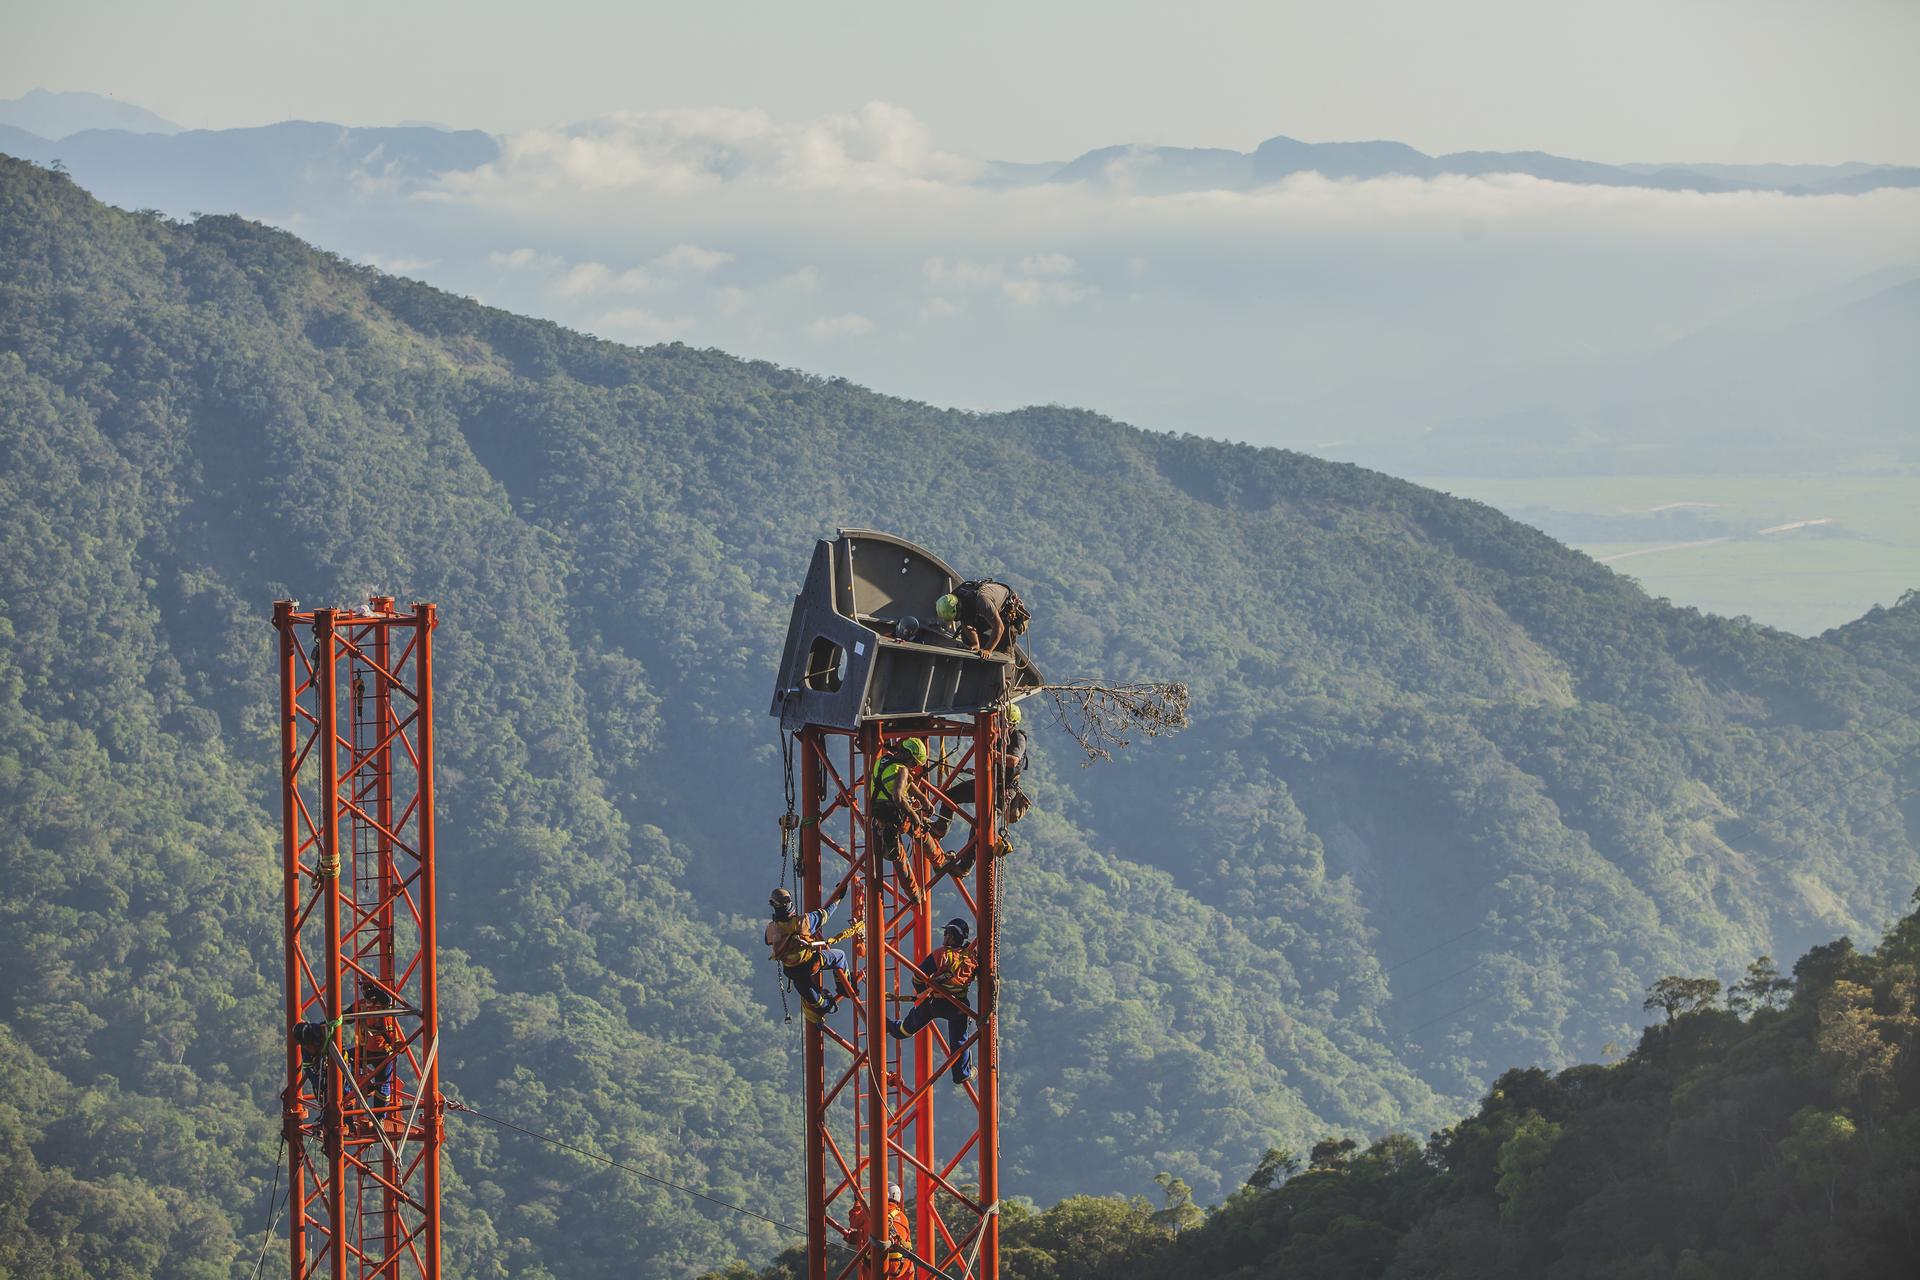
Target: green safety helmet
<point>917,748</point>
<point>1013,713</point>
<point>947,607</point>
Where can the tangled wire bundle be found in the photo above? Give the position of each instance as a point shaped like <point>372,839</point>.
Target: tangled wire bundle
<point>1102,717</point>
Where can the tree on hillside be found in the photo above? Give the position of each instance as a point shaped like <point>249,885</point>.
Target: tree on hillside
<point>1275,1167</point>
<point>1762,988</point>
<point>1331,1153</point>
<point>1864,1043</point>
<point>1675,995</point>
<point>1180,1212</point>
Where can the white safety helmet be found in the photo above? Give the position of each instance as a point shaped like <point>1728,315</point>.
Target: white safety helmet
<point>893,1192</point>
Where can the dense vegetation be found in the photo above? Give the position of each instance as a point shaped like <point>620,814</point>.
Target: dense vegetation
<point>1775,1135</point>
<point>1454,794</point>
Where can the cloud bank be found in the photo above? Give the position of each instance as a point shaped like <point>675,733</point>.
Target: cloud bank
<point>1308,310</point>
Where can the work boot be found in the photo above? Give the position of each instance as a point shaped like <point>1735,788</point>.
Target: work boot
<point>893,1029</point>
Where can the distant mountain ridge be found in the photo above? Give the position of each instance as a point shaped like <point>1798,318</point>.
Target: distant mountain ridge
<point>266,170</point>
<point>1169,170</point>
<point>55,115</point>
<point>129,156</point>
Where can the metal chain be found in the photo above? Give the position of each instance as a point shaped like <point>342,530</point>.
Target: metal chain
<point>789,824</point>
<point>790,820</point>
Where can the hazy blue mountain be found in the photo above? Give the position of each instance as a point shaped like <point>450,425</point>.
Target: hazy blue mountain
<point>1006,174</point>
<point>1761,175</point>
<point>1161,170</point>
<point>1277,157</point>
<point>152,162</point>
<point>1164,170</point>
<point>55,115</point>
<point>24,145</point>
<point>272,170</point>
<point>1871,180</point>
<point>1790,385</point>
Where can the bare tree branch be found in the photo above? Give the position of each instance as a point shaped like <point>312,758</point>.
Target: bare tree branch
<point>1104,717</point>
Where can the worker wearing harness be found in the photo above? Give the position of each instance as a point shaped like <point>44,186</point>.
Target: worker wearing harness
<point>987,616</point>
<point>798,945</point>
<point>897,1262</point>
<point>376,1042</point>
<point>898,1265</point>
<point>946,973</point>
<point>893,804</point>
<point>1009,762</point>
<point>310,1038</point>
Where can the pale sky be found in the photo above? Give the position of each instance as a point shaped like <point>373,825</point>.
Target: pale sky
<point>1620,81</point>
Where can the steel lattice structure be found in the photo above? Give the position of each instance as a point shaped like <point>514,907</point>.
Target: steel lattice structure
<point>357,792</point>
<point>871,1100</point>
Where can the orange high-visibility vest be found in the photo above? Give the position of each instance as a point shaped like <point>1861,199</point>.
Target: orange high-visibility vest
<point>953,969</point>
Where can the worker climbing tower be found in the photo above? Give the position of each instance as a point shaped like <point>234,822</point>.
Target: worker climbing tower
<point>860,673</point>
<point>362,1112</point>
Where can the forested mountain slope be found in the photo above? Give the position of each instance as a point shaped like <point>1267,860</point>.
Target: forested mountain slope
<point>1454,793</point>
<point>1770,1132</point>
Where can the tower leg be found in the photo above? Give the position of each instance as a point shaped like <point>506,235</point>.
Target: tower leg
<point>357,861</point>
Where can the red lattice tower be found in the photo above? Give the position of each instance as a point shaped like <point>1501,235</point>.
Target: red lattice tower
<point>356,732</point>
<point>872,1100</point>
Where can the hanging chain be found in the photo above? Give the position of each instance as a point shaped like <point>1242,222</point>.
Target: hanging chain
<point>789,824</point>
<point>790,820</point>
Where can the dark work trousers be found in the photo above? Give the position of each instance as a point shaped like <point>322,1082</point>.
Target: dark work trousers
<point>956,1018</point>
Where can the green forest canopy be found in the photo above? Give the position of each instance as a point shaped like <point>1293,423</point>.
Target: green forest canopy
<point>1771,1135</point>
<point>1453,796</point>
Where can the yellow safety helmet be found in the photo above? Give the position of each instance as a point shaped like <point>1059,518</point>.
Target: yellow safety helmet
<point>1013,713</point>
<point>917,748</point>
<point>947,607</point>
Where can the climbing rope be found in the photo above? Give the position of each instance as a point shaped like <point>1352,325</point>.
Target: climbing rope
<point>273,1207</point>
<point>610,1162</point>
<point>973,1255</point>
<point>789,826</point>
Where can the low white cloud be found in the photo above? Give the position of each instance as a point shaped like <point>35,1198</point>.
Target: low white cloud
<point>1027,292</point>
<point>566,280</point>
<point>850,325</point>
<point>1032,280</point>
<point>692,259</point>
<point>588,279</point>
<point>1047,264</point>
<point>687,149</point>
<point>1307,310</point>
<point>638,325</point>
<point>961,274</point>
<point>524,259</point>
<point>400,265</point>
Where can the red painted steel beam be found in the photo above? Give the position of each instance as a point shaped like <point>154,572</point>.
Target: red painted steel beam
<point>987,1069</point>
<point>883,1129</point>
<point>357,796</point>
